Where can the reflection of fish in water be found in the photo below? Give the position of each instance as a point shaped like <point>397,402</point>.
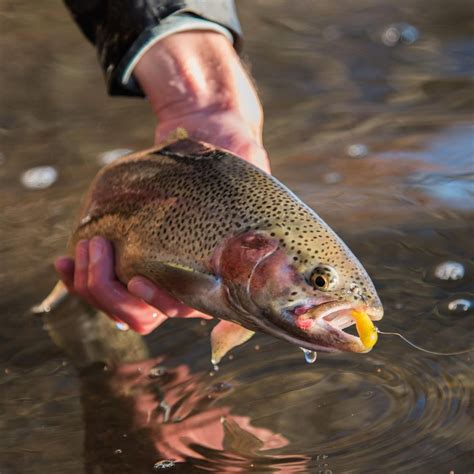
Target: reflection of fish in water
<point>231,241</point>
<point>138,409</point>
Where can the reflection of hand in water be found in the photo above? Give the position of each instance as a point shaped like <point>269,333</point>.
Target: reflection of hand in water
<point>176,409</point>
<point>140,413</point>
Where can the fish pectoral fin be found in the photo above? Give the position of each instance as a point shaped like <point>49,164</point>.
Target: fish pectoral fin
<point>175,277</point>
<point>225,336</point>
<point>184,283</point>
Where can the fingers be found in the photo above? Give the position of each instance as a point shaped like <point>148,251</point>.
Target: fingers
<point>152,294</point>
<point>65,268</point>
<point>91,275</point>
<point>112,296</point>
<point>81,268</point>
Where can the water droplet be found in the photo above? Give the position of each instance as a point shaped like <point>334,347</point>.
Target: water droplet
<point>231,357</point>
<point>460,305</point>
<point>118,451</point>
<point>357,150</point>
<point>165,464</point>
<point>257,347</point>
<point>309,356</point>
<point>449,270</point>
<point>122,326</point>
<point>215,367</point>
<point>157,371</point>
<point>40,177</point>
<point>109,156</point>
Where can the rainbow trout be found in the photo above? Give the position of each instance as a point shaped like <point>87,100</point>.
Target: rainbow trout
<point>229,240</point>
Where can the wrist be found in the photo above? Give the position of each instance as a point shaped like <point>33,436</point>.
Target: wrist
<point>197,72</point>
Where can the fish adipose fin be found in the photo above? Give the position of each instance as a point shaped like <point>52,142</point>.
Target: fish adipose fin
<point>225,336</point>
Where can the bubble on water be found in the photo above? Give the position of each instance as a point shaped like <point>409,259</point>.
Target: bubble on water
<point>157,371</point>
<point>309,356</point>
<point>257,347</point>
<point>39,177</point>
<point>118,451</point>
<point>122,326</point>
<point>331,33</point>
<point>460,305</point>
<point>449,270</point>
<point>357,150</point>
<point>164,464</point>
<point>109,156</point>
<point>332,178</point>
<point>397,33</point>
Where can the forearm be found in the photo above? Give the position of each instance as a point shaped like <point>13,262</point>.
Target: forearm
<point>197,72</point>
<point>120,29</point>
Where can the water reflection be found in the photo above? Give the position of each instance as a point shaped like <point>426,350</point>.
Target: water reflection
<point>142,414</point>
<point>377,139</point>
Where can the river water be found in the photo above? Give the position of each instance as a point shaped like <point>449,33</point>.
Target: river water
<point>369,120</point>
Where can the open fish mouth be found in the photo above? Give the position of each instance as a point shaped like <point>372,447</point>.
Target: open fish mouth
<point>322,327</point>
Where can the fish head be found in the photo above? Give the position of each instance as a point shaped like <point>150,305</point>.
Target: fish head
<point>300,283</point>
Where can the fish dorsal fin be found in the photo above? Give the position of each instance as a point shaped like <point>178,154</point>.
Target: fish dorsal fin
<point>187,150</point>
<point>225,336</point>
<point>179,134</point>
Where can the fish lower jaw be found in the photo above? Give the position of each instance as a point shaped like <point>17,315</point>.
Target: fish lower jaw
<point>329,320</point>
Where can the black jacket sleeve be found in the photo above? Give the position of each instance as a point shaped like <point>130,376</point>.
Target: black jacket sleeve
<point>113,26</point>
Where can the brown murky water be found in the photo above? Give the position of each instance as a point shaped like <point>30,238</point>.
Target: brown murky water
<point>369,120</point>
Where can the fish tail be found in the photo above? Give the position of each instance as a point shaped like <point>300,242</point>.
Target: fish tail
<point>58,294</point>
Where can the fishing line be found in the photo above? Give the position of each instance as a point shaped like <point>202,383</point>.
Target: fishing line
<point>421,348</point>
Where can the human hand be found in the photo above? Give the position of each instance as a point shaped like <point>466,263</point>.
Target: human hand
<point>193,80</point>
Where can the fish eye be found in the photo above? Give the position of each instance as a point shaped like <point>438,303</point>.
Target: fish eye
<point>324,278</point>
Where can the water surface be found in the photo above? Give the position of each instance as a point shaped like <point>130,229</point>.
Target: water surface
<point>369,120</point>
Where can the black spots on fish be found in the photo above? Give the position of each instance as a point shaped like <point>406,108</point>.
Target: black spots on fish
<point>197,196</point>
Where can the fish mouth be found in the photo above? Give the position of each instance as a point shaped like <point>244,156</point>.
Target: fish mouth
<point>321,327</point>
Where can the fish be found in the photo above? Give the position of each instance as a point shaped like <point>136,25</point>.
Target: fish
<point>230,240</point>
